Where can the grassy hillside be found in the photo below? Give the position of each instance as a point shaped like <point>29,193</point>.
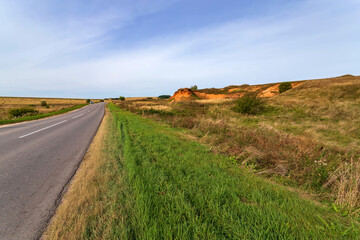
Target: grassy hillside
<point>306,138</point>
<point>151,182</point>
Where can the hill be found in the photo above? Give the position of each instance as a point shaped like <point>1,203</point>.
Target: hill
<point>301,139</point>
<point>262,90</point>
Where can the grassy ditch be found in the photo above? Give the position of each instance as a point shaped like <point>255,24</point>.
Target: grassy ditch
<point>150,183</point>
<point>42,115</point>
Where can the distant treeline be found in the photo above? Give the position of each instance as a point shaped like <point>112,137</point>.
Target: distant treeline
<point>164,96</point>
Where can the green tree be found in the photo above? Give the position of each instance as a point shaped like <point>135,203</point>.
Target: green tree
<point>194,88</point>
<point>164,96</point>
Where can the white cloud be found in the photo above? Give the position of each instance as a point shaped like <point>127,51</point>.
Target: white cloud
<point>308,41</point>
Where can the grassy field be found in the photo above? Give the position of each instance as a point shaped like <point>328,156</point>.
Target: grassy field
<point>54,104</point>
<point>41,115</point>
<point>152,182</point>
<point>37,108</point>
<point>307,138</point>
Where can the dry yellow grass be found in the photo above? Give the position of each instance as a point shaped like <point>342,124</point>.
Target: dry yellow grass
<point>55,104</point>
<point>28,100</point>
<point>156,107</point>
<point>213,100</point>
<point>78,204</point>
<point>301,138</point>
<point>346,180</point>
<point>138,98</point>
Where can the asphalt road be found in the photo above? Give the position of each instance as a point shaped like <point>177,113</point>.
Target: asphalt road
<point>37,160</point>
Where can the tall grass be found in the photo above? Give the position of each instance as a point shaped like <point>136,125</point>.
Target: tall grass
<point>299,139</point>
<point>179,190</point>
<point>346,182</point>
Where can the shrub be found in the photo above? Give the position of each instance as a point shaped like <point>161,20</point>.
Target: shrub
<point>88,100</point>
<point>43,103</point>
<point>19,112</point>
<point>187,122</point>
<point>164,97</point>
<point>194,87</point>
<point>284,87</point>
<point>121,98</point>
<point>101,100</point>
<point>249,104</point>
<point>152,111</point>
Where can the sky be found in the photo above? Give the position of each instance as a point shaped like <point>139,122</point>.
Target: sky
<point>108,48</point>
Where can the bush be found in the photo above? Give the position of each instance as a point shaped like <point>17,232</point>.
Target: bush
<point>194,88</point>
<point>43,103</point>
<point>164,96</point>
<point>249,104</point>
<point>88,100</point>
<point>284,87</point>
<point>152,111</point>
<point>101,100</point>
<point>121,98</point>
<point>19,112</point>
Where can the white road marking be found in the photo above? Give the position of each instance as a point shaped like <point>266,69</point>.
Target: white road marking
<point>77,116</point>
<point>43,129</point>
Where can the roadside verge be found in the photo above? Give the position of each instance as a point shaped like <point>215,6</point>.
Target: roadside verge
<point>80,200</point>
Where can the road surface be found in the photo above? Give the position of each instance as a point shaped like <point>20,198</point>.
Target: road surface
<point>37,160</point>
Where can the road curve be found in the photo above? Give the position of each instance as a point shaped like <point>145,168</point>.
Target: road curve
<point>37,160</point>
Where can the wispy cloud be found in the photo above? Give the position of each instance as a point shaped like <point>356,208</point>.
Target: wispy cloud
<point>37,31</point>
<point>304,40</point>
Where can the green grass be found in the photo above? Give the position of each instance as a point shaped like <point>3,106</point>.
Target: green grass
<point>39,116</point>
<point>173,188</point>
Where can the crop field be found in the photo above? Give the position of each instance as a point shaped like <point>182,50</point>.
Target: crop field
<point>151,181</point>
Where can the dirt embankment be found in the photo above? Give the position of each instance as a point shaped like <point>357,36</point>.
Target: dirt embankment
<point>231,92</point>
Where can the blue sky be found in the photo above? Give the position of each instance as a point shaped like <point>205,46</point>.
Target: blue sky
<point>107,48</point>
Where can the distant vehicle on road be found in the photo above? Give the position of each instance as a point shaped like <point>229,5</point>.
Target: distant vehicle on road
<point>91,102</point>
